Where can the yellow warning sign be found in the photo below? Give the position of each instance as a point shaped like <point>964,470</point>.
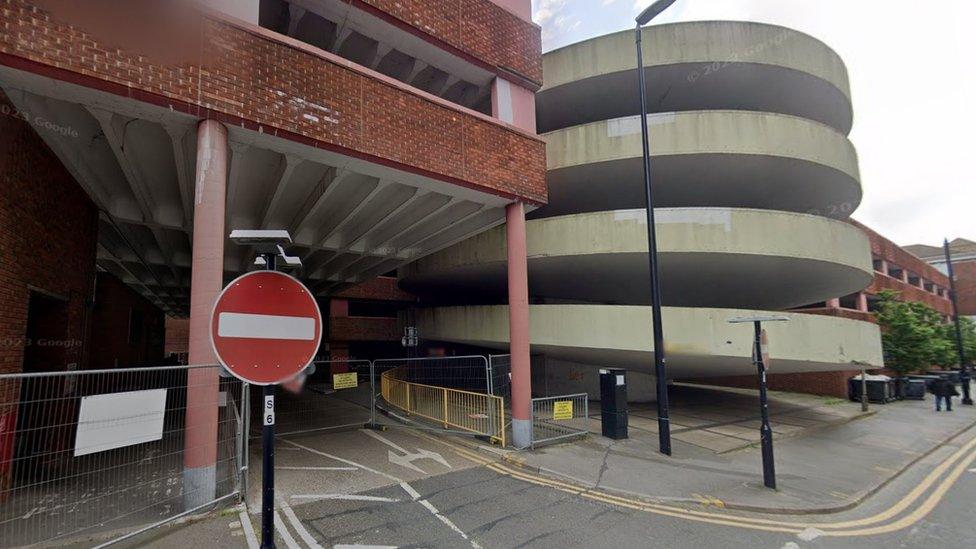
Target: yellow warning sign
<point>562,409</point>
<point>348,380</point>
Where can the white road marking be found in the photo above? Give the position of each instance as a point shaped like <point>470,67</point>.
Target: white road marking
<point>404,461</point>
<point>407,459</point>
<point>364,547</point>
<point>252,540</point>
<point>790,545</point>
<point>406,487</point>
<point>384,440</point>
<point>430,507</point>
<point>810,534</point>
<point>284,533</point>
<point>972,470</point>
<point>349,497</point>
<point>414,495</point>
<point>316,469</point>
<point>341,460</point>
<point>303,533</point>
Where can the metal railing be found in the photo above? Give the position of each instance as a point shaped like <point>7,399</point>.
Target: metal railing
<point>500,376</point>
<point>99,451</point>
<point>478,413</point>
<point>306,412</point>
<point>556,418</point>
<point>466,373</point>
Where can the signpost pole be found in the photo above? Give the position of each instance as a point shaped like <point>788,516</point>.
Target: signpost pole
<point>267,440</point>
<point>765,431</point>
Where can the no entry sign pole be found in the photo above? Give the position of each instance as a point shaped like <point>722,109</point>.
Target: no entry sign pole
<point>267,443</point>
<point>266,328</point>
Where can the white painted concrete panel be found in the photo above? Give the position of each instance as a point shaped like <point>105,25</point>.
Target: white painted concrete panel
<point>254,326</point>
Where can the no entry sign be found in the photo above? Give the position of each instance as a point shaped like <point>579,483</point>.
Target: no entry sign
<point>266,327</point>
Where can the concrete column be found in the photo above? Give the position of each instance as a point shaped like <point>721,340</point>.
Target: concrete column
<point>518,325</point>
<point>833,303</point>
<point>862,302</point>
<point>207,279</point>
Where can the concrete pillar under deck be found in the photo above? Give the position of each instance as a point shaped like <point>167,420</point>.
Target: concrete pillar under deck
<point>833,303</point>
<point>518,325</point>
<point>862,302</point>
<point>207,279</point>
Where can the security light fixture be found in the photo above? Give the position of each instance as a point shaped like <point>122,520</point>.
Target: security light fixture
<point>653,11</point>
<point>264,241</point>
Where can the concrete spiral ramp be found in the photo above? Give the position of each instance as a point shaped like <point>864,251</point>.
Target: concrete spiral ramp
<point>754,176</point>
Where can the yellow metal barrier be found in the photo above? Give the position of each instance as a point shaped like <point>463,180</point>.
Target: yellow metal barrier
<point>478,413</point>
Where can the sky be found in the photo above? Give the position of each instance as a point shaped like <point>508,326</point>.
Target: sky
<point>912,69</point>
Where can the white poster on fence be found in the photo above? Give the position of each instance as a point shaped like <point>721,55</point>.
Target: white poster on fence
<point>116,420</point>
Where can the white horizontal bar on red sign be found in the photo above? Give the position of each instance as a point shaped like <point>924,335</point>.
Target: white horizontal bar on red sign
<point>254,326</point>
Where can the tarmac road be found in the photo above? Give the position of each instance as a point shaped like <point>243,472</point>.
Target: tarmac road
<point>387,492</point>
<point>498,506</point>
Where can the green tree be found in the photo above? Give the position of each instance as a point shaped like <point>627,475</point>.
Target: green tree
<point>968,339</point>
<point>913,335</point>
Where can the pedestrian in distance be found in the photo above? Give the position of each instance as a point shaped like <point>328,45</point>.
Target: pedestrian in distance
<point>943,389</point>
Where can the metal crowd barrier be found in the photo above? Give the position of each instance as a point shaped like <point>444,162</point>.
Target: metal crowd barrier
<point>478,413</point>
<point>557,418</point>
<point>306,412</point>
<point>90,453</point>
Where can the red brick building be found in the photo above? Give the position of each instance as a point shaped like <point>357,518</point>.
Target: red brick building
<point>895,269</point>
<point>964,267</point>
<point>136,136</point>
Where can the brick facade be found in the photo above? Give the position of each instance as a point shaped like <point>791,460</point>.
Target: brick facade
<point>115,343</point>
<point>965,272</point>
<point>891,253</point>
<point>363,329</point>
<point>177,336</point>
<point>270,83</point>
<point>380,288</point>
<point>814,383</point>
<point>480,28</point>
<point>47,241</point>
<point>835,383</point>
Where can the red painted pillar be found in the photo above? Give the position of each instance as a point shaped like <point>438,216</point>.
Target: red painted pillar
<point>207,279</point>
<point>862,302</point>
<point>518,326</point>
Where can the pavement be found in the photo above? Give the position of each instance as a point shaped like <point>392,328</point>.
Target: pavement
<point>834,462</point>
<point>493,504</point>
<point>898,476</point>
<point>723,420</point>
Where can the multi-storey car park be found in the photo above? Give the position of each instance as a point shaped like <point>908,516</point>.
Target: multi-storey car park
<point>140,134</point>
<point>753,178</point>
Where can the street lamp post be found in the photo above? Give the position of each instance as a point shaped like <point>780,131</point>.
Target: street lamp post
<point>663,415</point>
<point>963,366</point>
<point>759,356</point>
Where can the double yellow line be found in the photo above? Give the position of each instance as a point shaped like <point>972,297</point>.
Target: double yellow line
<point>879,523</point>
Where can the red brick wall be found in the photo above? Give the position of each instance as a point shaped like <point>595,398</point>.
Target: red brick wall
<point>882,248</point>
<point>380,288</point>
<point>965,272</point>
<point>257,78</point>
<point>177,335</point>
<point>815,383</point>
<point>479,28</point>
<point>110,345</point>
<point>361,328</point>
<point>47,238</point>
<point>910,293</point>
